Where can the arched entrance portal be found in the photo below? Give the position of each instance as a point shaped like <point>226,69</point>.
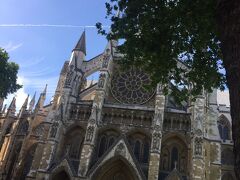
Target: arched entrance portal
<point>117,170</point>
<point>62,175</point>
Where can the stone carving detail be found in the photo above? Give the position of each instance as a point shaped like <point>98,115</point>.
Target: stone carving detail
<point>89,135</point>
<point>120,149</point>
<point>198,132</point>
<point>158,118</point>
<point>101,81</point>
<point>157,128</point>
<point>160,88</point>
<point>130,87</point>
<point>198,146</point>
<point>38,131</point>
<point>198,122</point>
<point>54,129</point>
<point>156,140</point>
<point>106,59</point>
<point>69,76</point>
<point>23,129</point>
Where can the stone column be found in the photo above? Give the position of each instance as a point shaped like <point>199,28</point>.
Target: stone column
<point>157,125</point>
<point>95,117</point>
<point>197,142</point>
<point>213,144</point>
<point>57,117</point>
<point>47,150</point>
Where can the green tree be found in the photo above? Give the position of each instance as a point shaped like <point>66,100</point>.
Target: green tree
<point>8,75</point>
<point>165,36</point>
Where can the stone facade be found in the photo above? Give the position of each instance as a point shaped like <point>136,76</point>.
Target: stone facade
<point>114,129</point>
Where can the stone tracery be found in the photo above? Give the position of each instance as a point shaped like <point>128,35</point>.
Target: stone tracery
<point>130,87</point>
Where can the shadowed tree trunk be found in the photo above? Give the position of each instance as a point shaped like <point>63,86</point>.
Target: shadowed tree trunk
<point>228,19</point>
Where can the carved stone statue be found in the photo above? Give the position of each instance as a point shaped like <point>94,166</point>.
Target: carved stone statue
<point>54,128</point>
<point>159,88</point>
<point>120,149</point>
<point>106,59</point>
<point>156,141</point>
<point>89,135</point>
<point>101,81</point>
<point>69,76</point>
<point>198,146</point>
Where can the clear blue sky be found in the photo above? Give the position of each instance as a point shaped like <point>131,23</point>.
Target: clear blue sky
<point>41,51</point>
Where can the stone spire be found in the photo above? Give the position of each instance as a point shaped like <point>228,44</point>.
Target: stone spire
<point>81,45</point>
<point>42,98</point>
<point>24,106</point>
<point>12,108</point>
<point>32,102</point>
<point>23,109</point>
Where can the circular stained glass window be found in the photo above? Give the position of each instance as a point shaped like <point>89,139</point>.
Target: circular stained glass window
<point>130,87</point>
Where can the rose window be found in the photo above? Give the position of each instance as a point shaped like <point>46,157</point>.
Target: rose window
<point>130,87</point>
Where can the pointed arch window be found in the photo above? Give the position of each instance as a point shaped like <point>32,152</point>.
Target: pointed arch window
<point>111,141</point>
<point>9,128</point>
<point>224,128</point>
<point>13,161</point>
<point>28,161</point>
<point>140,146</point>
<point>137,148</point>
<point>146,152</point>
<point>174,157</point>
<point>102,146</point>
<point>220,130</point>
<point>23,129</point>
<point>75,147</point>
<point>225,133</point>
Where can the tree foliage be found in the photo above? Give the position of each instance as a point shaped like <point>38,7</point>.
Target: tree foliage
<point>174,40</point>
<point>8,75</point>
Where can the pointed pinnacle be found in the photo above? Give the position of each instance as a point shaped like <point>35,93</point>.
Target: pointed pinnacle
<point>32,102</point>
<point>81,45</point>
<point>26,102</point>
<point>33,98</point>
<point>13,103</point>
<point>45,90</point>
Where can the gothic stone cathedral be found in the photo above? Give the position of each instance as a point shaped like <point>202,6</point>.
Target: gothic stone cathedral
<point>114,129</point>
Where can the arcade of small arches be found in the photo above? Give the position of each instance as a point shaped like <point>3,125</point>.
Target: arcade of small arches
<point>174,151</point>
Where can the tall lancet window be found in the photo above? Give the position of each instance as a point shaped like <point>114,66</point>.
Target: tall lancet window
<point>137,149</point>
<point>23,129</point>
<point>28,161</point>
<point>75,147</point>
<point>146,152</point>
<point>224,128</point>
<point>102,146</point>
<point>174,157</point>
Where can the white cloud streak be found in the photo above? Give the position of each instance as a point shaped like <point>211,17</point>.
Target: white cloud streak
<point>20,95</point>
<point>9,47</point>
<point>50,25</point>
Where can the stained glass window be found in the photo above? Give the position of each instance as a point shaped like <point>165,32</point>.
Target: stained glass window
<point>130,87</point>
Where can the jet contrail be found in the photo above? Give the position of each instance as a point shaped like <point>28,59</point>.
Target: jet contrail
<point>49,25</point>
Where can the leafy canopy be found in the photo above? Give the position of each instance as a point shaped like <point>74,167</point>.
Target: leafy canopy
<point>8,75</point>
<point>174,40</point>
